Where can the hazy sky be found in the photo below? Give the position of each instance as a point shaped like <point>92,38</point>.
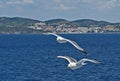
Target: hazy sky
<point>107,10</point>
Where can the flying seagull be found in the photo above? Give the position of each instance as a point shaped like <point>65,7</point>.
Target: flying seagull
<point>73,64</point>
<point>61,39</point>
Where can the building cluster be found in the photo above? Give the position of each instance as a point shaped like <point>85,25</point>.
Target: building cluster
<point>63,28</point>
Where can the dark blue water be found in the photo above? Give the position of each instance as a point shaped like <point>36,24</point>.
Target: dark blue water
<point>33,58</point>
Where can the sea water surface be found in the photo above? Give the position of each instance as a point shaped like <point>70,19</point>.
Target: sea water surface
<point>34,58</point>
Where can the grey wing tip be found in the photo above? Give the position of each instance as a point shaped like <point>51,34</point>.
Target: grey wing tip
<point>85,52</point>
<point>99,62</point>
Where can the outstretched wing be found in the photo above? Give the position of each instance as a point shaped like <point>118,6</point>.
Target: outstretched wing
<point>69,59</point>
<point>72,42</point>
<point>90,60</point>
<point>54,34</point>
<point>77,46</point>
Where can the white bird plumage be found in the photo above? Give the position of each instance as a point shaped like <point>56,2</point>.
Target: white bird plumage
<point>74,64</point>
<point>61,39</point>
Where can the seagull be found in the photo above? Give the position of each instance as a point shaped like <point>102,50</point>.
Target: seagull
<point>74,64</point>
<point>61,39</point>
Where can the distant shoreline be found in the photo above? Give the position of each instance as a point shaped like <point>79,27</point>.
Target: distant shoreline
<point>60,33</point>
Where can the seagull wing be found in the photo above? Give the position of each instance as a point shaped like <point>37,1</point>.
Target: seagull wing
<point>77,46</point>
<point>90,60</point>
<point>69,59</point>
<point>55,34</point>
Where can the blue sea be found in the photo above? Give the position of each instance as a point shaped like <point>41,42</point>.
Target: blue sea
<point>34,57</point>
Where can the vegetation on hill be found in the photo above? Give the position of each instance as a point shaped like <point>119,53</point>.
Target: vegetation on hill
<point>14,24</point>
<point>53,21</point>
<point>89,22</point>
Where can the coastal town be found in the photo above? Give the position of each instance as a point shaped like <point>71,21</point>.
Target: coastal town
<point>18,25</point>
<point>63,28</point>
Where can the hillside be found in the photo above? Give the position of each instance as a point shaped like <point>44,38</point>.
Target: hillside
<point>21,25</point>
<point>88,22</point>
<point>81,22</point>
<point>16,21</point>
<point>55,21</point>
<point>14,24</point>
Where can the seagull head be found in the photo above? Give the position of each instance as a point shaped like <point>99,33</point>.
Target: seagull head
<point>61,40</point>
